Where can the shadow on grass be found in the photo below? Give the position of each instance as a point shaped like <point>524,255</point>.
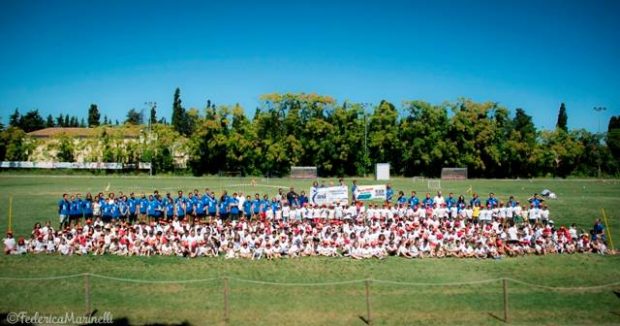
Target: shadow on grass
<point>124,321</point>
<point>497,317</point>
<point>6,320</point>
<point>367,322</point>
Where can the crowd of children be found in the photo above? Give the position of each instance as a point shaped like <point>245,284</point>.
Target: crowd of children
<point>289,225</point>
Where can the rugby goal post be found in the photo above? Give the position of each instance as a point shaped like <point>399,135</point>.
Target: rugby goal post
<point>433,184</point>
<point>304,172</point>
<point>454,173</point>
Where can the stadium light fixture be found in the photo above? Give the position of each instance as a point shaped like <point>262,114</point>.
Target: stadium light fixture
<point>599,109</point>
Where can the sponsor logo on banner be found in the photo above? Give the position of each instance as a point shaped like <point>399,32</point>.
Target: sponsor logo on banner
<point>370,192</point>
<point>329,195</point>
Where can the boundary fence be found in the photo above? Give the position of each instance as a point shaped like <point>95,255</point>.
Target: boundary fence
<point>225,281</point>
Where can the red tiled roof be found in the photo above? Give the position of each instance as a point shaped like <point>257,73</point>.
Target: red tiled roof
<point>82,132</point>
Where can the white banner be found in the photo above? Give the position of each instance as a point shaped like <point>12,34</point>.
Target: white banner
<point>329,195</point>
<point>382,171</point>
<point>73,165</point>
<point>370,192</point>
<point>10,164</point>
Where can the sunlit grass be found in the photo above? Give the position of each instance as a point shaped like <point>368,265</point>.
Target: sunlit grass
<point>579,202</point>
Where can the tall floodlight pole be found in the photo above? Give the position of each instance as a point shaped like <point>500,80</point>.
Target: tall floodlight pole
<point>364,106</point>
<point>599,109</point>
<point>152,105</point>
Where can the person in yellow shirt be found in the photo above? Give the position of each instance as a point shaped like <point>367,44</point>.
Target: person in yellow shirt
<point>476,213</point>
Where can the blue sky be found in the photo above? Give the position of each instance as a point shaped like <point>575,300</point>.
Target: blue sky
<point>60,56</point>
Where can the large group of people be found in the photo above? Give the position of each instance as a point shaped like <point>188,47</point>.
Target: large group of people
<point>290,225</point>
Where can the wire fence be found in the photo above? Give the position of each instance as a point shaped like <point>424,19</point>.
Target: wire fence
<point>237,300</point>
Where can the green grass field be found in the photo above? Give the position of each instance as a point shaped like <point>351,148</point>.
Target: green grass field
<point>579,201</point>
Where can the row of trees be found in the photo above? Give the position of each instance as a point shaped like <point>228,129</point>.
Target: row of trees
<point>133,117</point>
<point>417,139</point>
<point>348,138</point>
<point>33,120</point>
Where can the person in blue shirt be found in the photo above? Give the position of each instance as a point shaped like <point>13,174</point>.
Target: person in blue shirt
<point>180,206</point>
<point>75,210</point>
<point>132,203</point>
<point>413,200</point>
<point>159,212</point>
<point>303,199</point>
<point>211,205</point>
<point>598,230</point>
<point>87,206</point>
<point>123,208</point>
<point>535,200</point>
<point>247,207</point>
<point>428,200</point>
<point>450,201</point>
<point>475,201</point>
<point>492,201</point>
<point>353,192</point>
<point>116,212</point>
<point>144,204</point>
<point>256,203</point>
<point>512,202</point>
<point>223,206</point>
<point>265,205</point>
<point>152,208</point>
<point>168,204</point>
<point>233,207</point>
<point>275,205</point>
<point>199,207</point>
<point>389,193</point>
<point>64,206</point>
<point>401,198</point>
<point>106,211</point>
<point>205,200</point>
<point>101,201</point>
<point>80,208</point>
<point>190,206</point>
<point>460,204</point>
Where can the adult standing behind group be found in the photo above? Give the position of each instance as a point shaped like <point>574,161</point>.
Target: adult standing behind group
<point>292,197</point>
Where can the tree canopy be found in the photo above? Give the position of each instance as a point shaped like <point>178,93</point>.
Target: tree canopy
<point>93,115</point>
<point>287,129</point>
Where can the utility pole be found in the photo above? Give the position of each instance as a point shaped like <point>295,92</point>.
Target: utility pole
<point>366,158</point>
<point>152,105</point>
<point>599,109</point>
<point>365,144</point>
